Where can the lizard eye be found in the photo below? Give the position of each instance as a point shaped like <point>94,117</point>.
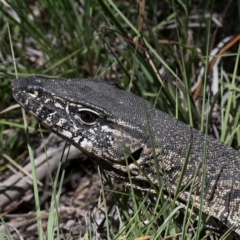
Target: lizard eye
<point>88,117</point>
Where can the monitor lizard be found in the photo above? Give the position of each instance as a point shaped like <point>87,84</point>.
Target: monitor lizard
<point>127,137</point>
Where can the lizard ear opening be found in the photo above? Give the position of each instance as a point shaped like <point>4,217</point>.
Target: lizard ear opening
<point>134,156</point>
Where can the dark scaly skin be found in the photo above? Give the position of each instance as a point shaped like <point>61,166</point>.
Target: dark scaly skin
<point>123,126</point>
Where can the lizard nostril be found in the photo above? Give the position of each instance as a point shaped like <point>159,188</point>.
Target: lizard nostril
<point>32,93</point>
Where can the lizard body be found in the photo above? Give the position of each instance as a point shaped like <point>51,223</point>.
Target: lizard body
<point>123,133</point>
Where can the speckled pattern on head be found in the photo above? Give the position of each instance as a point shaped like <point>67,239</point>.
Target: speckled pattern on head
<point>110,99</point>
<point>124,125</point>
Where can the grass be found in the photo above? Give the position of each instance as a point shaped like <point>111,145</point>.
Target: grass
<point>127,45</point>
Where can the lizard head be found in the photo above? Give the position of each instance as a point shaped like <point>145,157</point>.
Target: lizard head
<point>98,118</point>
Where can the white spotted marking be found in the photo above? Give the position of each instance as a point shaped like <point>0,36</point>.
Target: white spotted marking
<point>92,131</point>
<point>77,139</point>
<point>67,109</point>
<point>47,100</point>
<point>61,121</point>
<point>49,117</point>
<point>67,134</point>
<point>87,145</point>
<point>58,105</point>
<point>105,127</point>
